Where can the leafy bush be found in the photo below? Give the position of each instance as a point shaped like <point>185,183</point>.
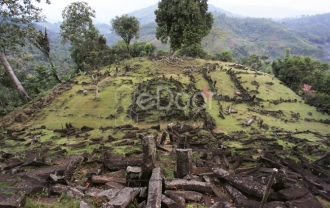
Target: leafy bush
<point>225,56</point>
<point>195,50</point>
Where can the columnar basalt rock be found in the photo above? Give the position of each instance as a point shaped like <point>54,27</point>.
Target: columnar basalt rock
<point>184,162</point>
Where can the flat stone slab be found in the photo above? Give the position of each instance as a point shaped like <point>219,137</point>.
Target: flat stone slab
<point>45,200</point>
<point>12,201</point>
<point>124,197</point>
<point>168,203</point>
<point>85,204</point>
<point>292,193</point>
<point>188,185</point>
<point>307,201</point>
<point>25,190</point>
<point>114,185</point>
<point>44,172</point>
<point>108,194</point>
<point>155,189</point>
<point>246,186</point>
<point>187,195</point>
<point>235,194</point>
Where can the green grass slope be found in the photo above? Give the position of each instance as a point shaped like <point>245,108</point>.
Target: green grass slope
<point>70,105</point>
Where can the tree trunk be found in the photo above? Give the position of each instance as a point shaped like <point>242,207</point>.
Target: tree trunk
<point>54,70</point>
<point>23,95</point>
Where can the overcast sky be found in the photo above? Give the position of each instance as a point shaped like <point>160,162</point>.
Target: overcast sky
<point>108,9</point>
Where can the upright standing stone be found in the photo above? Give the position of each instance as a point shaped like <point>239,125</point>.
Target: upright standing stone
<point>72,167</point>
<point>184,162</point>
<point>155,189</point>
<point>149,155</point>
<point>162,141</point>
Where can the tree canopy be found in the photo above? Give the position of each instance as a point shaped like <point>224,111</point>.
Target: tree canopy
<point>89,49</point>
<point>16,25</point>
<point>127,27</point>
<point>182,22</point>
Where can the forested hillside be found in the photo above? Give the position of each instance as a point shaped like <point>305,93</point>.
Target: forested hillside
<point>314,28</point>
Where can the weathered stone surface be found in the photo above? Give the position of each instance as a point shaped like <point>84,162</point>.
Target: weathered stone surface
<point>106,179</point>
<point>93,192</point>
<point>184,162</point>
<point>149,156</point>
<point>12,201</point>
<point>72,167</point>
<point>222,204</point>
<point>57,189</point>
<point>143,192</point>
<point>235,194</point>
<point>124,197</point>
<point>74,193</point>
<point>48,201</point>
<point>247,186</point>
<point>274,204</point>
<point>168,203</point>
<point>108,194</point>
<point>215,189</point>
<point>206,199</point>
<point>187,195</point>
<point>292,193</point>
<point>44,172</point>
<point>133,176</point>
<point>114,185</point>
<point>180,201</point>
<point>155,189</point>
<point>142,205</point>
<point>114,165</point>
<point>307,201</point>
<point>85,204</point>
<point>201,170</point>
<point>188,185</point>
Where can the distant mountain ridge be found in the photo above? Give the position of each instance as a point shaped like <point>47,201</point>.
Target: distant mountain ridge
<point>147,15</point>
<point>308,36</point>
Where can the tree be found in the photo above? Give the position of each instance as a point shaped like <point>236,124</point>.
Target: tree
<point>225,56</point>
<point>127,27</point>
<point>215,36</point>
<point>16,23</point>
<point>41,41</point>
<point>195,50</point>
<point>89,49</point>
<point>182,22</point>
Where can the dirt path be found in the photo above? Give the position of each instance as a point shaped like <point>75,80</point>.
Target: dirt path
<point>206,92</point>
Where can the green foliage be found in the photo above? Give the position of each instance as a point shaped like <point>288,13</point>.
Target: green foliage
<point>17,18</point>
<point>225,56</point>
<point>127,27</point>
<point>195,50</point>
<point>89,49</point>
<point>256,62</point>
<point>138,49</point>
<point>295,71</point>
<point>39,81</point>
<point>16,27</point>
<point>183,22</point>
<point>120,50</point>
<point>162,53</point>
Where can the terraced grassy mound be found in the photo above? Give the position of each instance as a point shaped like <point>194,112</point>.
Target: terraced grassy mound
<point>248,114</point>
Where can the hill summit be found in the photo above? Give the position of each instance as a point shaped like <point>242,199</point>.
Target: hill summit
<point>165,120</point>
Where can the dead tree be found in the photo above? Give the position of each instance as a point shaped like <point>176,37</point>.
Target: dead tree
<point>96,82</point>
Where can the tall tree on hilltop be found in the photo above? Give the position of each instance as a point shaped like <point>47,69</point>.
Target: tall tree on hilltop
<point>16,23</point>
<point>126,27</point>
<point>182,22</point>
<point>89,49</point>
